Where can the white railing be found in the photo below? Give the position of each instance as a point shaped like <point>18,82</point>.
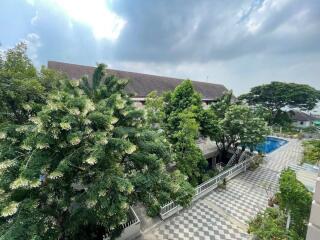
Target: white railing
<point>171,208</point>
<point>130,229</point>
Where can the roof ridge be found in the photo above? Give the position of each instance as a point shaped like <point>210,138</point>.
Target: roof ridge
<point>146,74</point>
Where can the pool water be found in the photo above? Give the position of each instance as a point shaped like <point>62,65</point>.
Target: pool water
<point>270,145</point>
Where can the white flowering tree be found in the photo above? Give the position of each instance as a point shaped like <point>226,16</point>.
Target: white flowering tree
<point>73,171</point>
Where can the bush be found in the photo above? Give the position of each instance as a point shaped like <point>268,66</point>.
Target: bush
<point>311,152</point>
<point>270,224</point>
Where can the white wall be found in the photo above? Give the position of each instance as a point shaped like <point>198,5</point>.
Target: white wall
<point>314,221</point>
<point>303,124</point>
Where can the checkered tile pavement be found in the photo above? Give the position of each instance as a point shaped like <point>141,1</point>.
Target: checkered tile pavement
<point>243,198</point>
<point>198,222</point>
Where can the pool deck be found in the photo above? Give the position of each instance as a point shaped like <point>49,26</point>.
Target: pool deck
<point>224,214</point>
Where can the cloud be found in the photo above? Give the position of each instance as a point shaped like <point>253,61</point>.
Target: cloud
<point>33,42</point>
<point>95,14</point>
<point>237,43</point>
<point>35,18</point>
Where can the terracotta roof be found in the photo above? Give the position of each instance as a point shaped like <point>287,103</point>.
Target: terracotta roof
<point>301,116</point>
<point>140,85</point>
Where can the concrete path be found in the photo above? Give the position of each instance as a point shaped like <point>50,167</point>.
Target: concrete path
<point>224,214</point>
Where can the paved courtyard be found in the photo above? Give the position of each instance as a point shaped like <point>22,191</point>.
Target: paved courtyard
<point>224,214</point>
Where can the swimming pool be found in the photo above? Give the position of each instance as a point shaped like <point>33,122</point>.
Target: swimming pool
<point>270,145</point>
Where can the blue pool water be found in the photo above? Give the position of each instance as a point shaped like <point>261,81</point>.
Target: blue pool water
<point>270,145</point>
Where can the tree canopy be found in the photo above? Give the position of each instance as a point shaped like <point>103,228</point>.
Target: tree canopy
<point>72,168</point>
<point>181,124</point>
<point>276,96</point>
<point>234,124</point>
<point>22,89</point>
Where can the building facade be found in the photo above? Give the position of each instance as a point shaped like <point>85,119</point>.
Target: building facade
<point>314,221</point>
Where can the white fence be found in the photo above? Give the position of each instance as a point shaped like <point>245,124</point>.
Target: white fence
<point>171,208</point>
<point>131,229</point>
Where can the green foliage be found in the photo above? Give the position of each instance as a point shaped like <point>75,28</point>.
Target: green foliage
<point>296,199</point>
<point>83,159</point>
<point>154,110</point>
<point>270,224</point>
<point>234,123</point>
<point>182,98</point>
<point>311,152</point>
<point>182,113</point>
<point>22,90</point>
<point>279,95</point>
<point>189,157</point>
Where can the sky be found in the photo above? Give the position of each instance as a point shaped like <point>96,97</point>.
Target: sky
<point>237,43</point>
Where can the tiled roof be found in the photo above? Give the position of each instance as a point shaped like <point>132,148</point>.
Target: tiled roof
<point>301,116</point>
<point>140,85</point>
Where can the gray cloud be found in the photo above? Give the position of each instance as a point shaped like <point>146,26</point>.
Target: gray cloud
<point>238,43</point>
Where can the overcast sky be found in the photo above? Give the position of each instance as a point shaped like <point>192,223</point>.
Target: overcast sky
<point>238,43</point>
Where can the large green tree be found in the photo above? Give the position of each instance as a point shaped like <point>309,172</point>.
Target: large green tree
<point>73,170</point>
<point>22,89</point>
<point>278,96</point>
<point>182,98</point>
<point>234,124</point>
<point>182,119</point>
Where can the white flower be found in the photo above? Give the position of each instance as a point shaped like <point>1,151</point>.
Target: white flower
<point>42,145</point>
<point>91,203</point>
<point>74,83</point>
<point>52,106</point>
<point>65,126</point>
<point>124,205</point>
<point>75,111</point>
<point>9,210</point>
<point>75,141</point>
<point>27,107</point>
<point>7,164</point>
<point>131,149</point>
<point>102,193</point>
<point>91,161</point>
<point>114,120</point>
<point>103,141</point>
<point>55,175</point>
<point>87,122</point>
<point>3,135</point>
<point>26,147</point>
<point>21,129</point>
<point>19,182</point>
<point>34,183</point>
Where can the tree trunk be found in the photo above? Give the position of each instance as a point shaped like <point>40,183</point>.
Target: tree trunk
<point>288,220</point>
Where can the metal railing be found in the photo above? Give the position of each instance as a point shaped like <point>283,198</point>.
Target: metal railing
<point>172,207</point>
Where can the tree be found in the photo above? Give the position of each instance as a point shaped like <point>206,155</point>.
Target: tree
<point>183,97</point>
<point>154,110</point>
<point>295,200</point>
<point>188,156</point>
<point>182,117</point>
<point>85,157</point>
<point>278,96</point>
<point>22,89</point>
<point>234,124</point>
